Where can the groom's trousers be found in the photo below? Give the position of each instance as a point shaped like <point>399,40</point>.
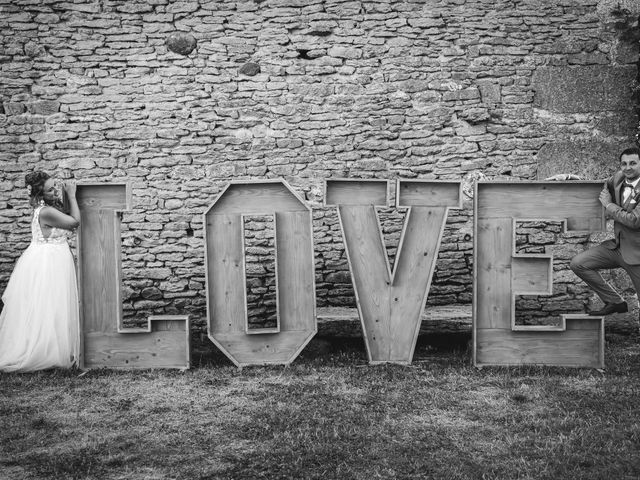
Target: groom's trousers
<point>586,266</point>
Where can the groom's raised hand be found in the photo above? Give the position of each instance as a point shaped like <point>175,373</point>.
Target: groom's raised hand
<point>605,196</point>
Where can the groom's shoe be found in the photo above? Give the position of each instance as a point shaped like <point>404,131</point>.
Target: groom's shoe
<point>610,308</point>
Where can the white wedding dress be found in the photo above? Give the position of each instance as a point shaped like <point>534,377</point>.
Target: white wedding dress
<point>39,324</point>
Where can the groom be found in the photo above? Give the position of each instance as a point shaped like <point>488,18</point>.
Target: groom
<point>621,199</point>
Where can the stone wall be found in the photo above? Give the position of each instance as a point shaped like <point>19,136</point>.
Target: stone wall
<point>304,90</point>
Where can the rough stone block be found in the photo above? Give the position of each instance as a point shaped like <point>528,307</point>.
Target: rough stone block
<point>135,7</point>
<point>590,159</point>
<point>173,204</point>
<point>583,89</point>
<point>46,107</point>
<point>250,69</point>
<point>425,22</point>
<point>77,163</point>
<point>13,108</point>
<point>52,137</point>
<point>79,7</point>
<point>345,52</point>
<point>181,43</point>
<point>466,94</point>
<point>182,7</point>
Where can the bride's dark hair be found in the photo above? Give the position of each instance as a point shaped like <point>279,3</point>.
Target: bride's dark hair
<point>34,182</point>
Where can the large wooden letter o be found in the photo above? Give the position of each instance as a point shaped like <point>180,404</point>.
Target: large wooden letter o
<point>225,273</point>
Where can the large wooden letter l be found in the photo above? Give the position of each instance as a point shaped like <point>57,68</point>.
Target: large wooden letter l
<point>164,342</point>
<point>390,304</point>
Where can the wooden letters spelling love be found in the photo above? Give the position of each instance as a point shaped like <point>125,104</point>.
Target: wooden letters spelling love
<point>389,302</point>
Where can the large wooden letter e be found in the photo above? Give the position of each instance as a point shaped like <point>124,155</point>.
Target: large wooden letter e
<point>500,274</point>
<point>390,304</point>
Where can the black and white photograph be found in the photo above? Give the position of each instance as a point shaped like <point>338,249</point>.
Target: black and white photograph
<point>319,239</point>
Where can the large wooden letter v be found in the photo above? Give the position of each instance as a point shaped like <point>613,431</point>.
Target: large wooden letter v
<point>390,303</point>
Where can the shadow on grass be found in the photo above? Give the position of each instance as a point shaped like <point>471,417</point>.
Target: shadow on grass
<point>338,350</point>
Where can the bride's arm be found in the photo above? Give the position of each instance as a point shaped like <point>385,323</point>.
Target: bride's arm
<point>53,217</point>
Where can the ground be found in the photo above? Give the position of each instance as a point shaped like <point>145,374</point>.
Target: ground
<point>328,415</point>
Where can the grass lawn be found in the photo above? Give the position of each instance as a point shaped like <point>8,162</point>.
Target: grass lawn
<point>328,415</point>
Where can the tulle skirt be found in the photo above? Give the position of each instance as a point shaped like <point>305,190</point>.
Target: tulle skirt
<point>39,324</point>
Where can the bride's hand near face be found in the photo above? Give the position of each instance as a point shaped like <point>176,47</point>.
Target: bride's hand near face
<point>70,189</point>
<point>74,210</point>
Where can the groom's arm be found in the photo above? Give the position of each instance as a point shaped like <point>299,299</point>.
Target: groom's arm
<point>616,212</point>
<point>630,219</point>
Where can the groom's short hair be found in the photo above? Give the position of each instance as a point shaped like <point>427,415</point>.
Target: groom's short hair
<point>630,151</point>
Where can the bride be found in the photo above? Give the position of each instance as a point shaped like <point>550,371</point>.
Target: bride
<point>39,324</point>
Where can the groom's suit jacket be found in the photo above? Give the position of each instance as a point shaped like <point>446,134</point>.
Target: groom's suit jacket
<point>626,223</point>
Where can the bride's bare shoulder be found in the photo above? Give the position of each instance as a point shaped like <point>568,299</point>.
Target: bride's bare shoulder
<point>53,217</point>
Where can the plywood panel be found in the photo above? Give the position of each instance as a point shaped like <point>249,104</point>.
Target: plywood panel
<point>370,274</point>
<point>251,198</point>
<point>429,193</point>
<point>103,196</point>
<point>225,272</point>
<point>500,274</point>
<point>577,201</point>
<point>164,343</point>
<point>413,272</point>
<point>574,347</point>
<point>356,192</point>
<point>98,252</point>
<point>531,275</point>
<point>390,305</point>
<point>263,349</point>
<point>492,278</point>
<point>296,270</point>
